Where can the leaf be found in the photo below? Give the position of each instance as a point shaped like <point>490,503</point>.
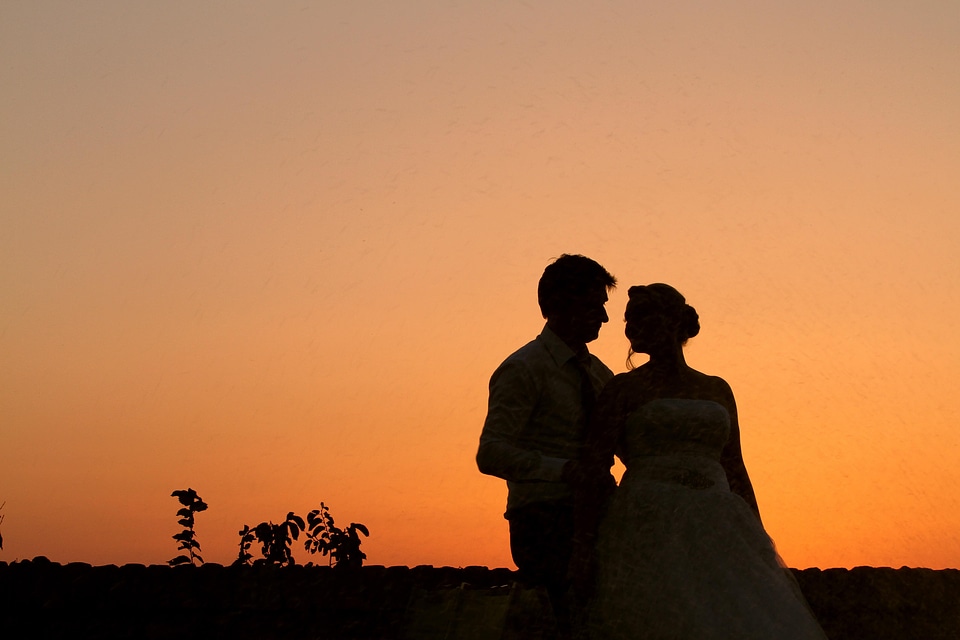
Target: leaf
<point>359,527</point>
<point>183,535</point>
<point>199,505</point>
<point>185,497</point>
<point>179,560</point>
<point>297,519</point>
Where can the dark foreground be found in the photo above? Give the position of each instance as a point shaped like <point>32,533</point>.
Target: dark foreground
<point>40,599</point>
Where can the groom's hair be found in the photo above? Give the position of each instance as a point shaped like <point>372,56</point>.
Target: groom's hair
<point>568,279</point>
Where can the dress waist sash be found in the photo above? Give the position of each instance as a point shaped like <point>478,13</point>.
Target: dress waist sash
<point>691,471</point>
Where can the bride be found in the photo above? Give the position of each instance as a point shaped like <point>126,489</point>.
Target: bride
<point>679,547</point>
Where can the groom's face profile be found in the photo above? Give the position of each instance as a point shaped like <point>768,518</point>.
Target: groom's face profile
<point>582,318</point>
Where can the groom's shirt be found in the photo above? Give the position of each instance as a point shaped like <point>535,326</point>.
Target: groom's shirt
<point>535,419</point>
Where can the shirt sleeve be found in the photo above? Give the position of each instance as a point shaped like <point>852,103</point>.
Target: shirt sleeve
<point>514,394</point>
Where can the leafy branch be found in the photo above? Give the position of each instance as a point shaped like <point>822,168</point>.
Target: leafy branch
<point>247,536</point>
<point>192,504</point>
<point>342,545</point>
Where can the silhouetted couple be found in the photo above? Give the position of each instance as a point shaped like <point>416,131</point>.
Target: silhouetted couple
<point>677,550</point>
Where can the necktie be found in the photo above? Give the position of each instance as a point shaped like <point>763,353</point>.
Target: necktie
<point>588,396</point>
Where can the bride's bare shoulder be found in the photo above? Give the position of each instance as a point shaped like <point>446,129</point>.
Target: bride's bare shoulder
<point>711,385</point>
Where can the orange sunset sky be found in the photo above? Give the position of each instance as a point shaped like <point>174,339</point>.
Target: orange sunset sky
<point>273,251</point>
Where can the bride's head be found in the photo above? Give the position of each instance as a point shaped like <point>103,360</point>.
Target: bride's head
<point>658,318</point>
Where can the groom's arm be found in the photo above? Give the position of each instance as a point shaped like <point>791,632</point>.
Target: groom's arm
<point>514,395</point>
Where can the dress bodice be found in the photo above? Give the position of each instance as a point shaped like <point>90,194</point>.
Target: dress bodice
<point>676,426</point>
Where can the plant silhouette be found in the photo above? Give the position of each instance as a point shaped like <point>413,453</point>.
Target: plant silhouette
<point>342,545</point>
<point>192,504</point>
<point>275,541</point>
<point>1,522</point>
<point>322,536</point>
<point>247,536</point>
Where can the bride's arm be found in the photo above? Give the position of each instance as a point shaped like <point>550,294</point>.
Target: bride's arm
<point>732,456</point>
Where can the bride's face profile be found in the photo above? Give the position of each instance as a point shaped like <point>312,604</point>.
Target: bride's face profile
<point>646,327</point>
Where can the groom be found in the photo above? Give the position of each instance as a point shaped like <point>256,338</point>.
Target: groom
<point>539,406</point>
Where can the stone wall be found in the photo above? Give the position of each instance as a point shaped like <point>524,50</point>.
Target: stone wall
<point>49,600</point>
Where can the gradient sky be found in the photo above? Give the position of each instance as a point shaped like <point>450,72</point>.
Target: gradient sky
<point>274,251</point>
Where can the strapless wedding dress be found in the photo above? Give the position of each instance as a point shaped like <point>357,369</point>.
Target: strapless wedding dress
<point>678,554</point>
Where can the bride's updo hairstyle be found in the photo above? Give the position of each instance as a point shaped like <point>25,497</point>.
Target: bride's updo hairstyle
<point>666,302</point>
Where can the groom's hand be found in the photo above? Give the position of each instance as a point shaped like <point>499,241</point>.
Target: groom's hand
<point>578,475</point>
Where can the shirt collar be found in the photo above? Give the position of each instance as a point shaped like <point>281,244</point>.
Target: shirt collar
<point>557,348</point>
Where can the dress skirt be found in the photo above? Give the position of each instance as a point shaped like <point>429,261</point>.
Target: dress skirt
<point>681,556</point>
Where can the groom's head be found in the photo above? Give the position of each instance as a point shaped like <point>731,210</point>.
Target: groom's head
<point>572,293</point>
